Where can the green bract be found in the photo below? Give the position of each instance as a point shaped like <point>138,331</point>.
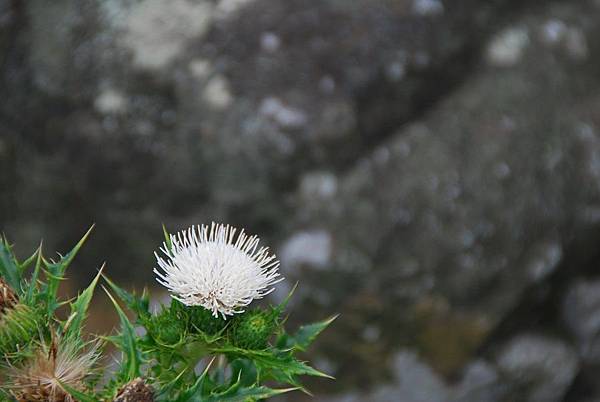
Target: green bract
<point>203,321</point>
<point>159,359</point>
<point>253,329</point>
<point>166,328</point>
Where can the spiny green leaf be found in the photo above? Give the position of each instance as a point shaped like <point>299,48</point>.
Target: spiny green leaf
<point>80,396</point>
<point>168,240</point>
<point>237,393</point>
<point>33,284</point>
<point>79,308</point>
<point>4,397</point>
<point>127,342</point>
<point>245,370</point>
<point>138,304</point>
<point>272,360</point>
<point>169,387</point>
<point>56,271</point>
<point>281,307</point>
<point>306,334</point>
<point>9,269</point>
<point>25,264</point>
<point>196,388</point>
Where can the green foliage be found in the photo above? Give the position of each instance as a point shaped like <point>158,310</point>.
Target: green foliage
<point>55,272</point>
<point>247,357</point>
<point>132,357</point>
<point>305,336</point>
<point>140,305</point>
<point>79,309</point>
<point>31,293</point>
<point>9,266</point>
<point>238,393</point>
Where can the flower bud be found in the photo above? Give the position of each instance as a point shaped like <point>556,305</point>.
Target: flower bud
<point>18,325</point>
<point>166,328</point>
<point>253,329</point>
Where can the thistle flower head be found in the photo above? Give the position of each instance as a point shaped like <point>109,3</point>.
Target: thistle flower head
<point>135,391</point>
<point>217,269</point>
<point>40,378</point>
<point>18,325</point>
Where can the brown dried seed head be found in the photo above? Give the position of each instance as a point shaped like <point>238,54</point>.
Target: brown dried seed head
<point>8,298</point>
<point>39,378</point>
<point>135,391</point>
<point>41,394</point>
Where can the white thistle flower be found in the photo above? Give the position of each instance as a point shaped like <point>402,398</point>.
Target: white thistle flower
<point>214,268</point>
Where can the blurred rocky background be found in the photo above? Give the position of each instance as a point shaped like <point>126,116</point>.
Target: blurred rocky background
<point>430,169</point>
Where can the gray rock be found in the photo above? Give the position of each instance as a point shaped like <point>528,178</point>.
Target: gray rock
<point>51,27</point>
<point>459,212</point>
<point>415,382</point>
<point>200,94</point>
<point>480,383</point>
<point>581,313</point>
<point>507,48</point>
<point>156,32</point>
<point>540,368</point>
<point>308,248</point>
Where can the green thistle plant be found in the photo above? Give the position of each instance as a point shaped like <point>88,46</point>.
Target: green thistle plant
<point>213,275</point>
